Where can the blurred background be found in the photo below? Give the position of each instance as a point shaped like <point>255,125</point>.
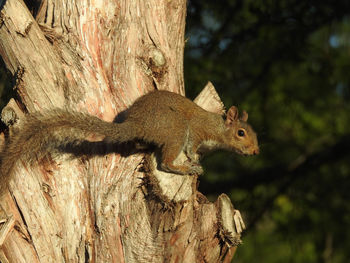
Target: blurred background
<point>287,63</point>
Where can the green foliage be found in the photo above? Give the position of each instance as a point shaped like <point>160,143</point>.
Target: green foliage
<point>287,63</point>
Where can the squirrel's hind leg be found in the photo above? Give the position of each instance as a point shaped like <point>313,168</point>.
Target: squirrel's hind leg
<point>170,152</point>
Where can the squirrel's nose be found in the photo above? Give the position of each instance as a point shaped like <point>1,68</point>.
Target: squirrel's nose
<point>256,151</point>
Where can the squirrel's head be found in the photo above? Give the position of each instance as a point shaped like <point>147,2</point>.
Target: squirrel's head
<point>242,137</point>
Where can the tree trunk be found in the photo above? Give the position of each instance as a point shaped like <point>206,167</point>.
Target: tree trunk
<point>98,57</point>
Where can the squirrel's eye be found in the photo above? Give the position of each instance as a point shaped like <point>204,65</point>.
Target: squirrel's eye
<point>241,133</point>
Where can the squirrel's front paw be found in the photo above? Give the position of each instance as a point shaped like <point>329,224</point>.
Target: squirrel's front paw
<point>196,169</point>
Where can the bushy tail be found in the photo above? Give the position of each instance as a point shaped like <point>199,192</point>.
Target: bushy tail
<point>41,133</point>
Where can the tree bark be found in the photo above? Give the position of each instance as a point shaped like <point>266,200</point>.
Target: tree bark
<point>98,57</point>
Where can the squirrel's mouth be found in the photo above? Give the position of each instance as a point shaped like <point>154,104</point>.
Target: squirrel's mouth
<point>239,151</point>
<point>247,152</point>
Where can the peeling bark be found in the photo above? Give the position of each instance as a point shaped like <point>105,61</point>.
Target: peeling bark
<point>98,57</point>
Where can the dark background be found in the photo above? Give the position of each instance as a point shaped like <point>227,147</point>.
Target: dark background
<point>287,63</point>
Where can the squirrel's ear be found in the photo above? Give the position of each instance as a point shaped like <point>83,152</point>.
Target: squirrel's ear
<point>232,115</point>
<point>244,116</point>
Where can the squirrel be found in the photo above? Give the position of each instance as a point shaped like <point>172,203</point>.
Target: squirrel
<point>165,119</point>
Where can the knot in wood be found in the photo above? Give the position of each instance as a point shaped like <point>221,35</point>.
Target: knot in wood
<point>157,58</point>
<point>9,116</point>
